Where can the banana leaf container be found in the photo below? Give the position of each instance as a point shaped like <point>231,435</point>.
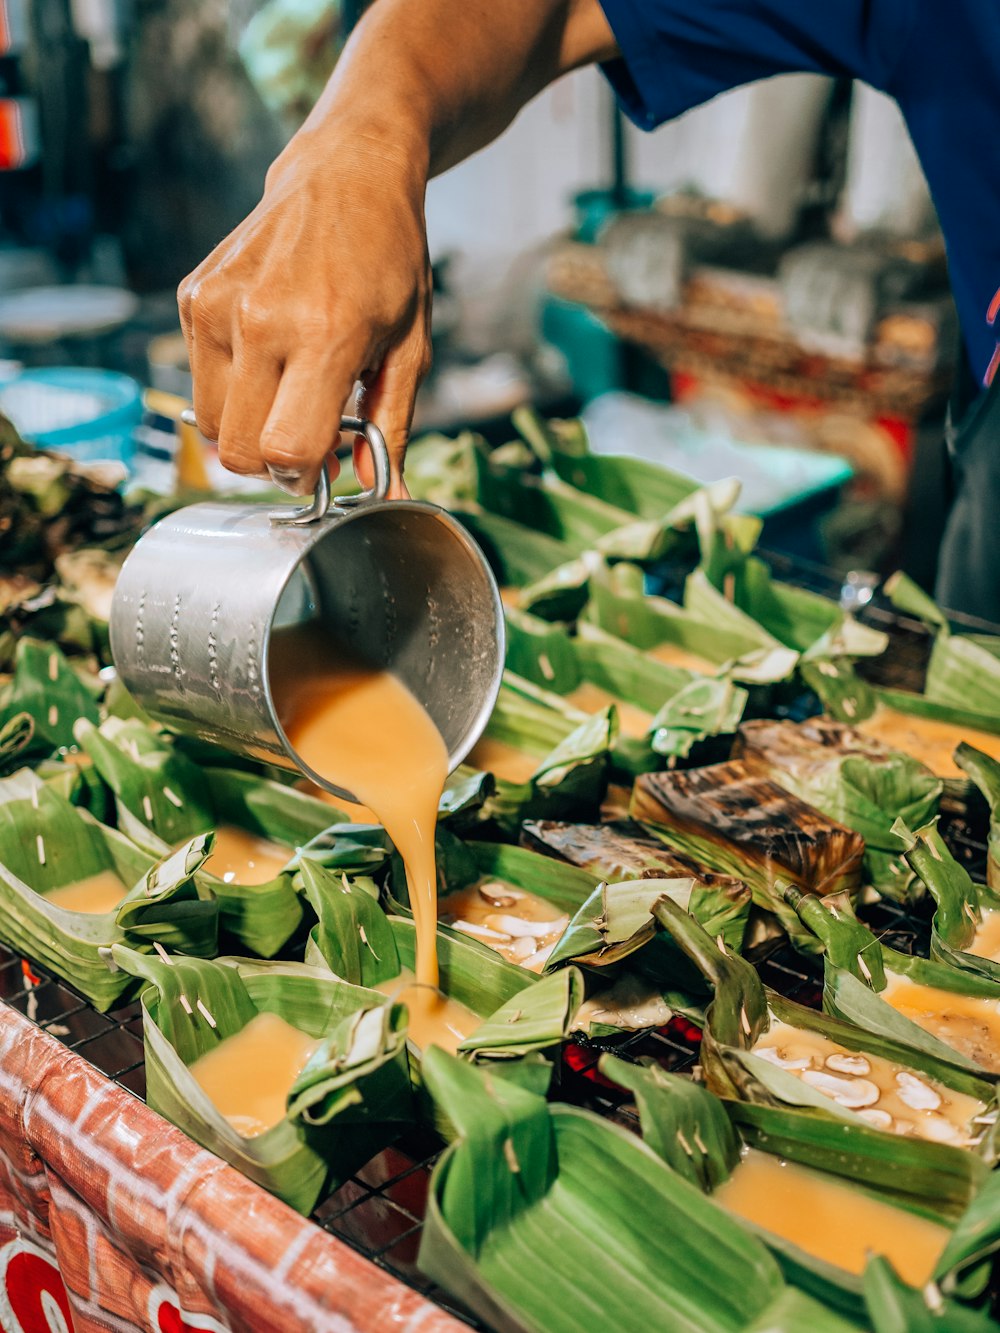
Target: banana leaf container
<point>572,752</point>
<point>636,977</point>
<point>960,904</point>
<point>736,822</point>
<point>702,1139</point>
<point>351,1099</point>
<point>46,843</point>
<point>743,1010</point>
<point>852,778</point>
<point>162,796</point>
<point>355,939</point>
<point>51,693</point>
<point>683,707</point>
<point>857,968</point>
<point>733,645</point>
<point>546,1218</point>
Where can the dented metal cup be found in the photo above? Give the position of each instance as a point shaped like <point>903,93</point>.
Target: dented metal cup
<point>398,581</point>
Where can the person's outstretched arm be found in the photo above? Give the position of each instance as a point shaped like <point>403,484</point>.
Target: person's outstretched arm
<point>327,281</point>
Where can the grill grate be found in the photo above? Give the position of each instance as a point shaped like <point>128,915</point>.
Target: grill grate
<point>379,1211</point>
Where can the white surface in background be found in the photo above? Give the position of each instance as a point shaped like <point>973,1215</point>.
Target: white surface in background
<point>752,147</point>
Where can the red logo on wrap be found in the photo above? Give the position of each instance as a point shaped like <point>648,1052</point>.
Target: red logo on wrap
<point>165,1317</point>
<point>32,1294</point>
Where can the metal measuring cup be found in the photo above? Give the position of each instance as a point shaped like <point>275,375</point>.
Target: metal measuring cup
<point>399,582</point>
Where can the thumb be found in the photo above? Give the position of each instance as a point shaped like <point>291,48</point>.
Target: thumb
<point>388,401</point>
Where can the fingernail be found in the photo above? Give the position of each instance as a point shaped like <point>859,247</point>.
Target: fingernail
<point>287,478</point>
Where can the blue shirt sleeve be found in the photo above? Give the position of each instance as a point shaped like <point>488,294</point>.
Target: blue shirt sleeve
<point>677,54</point>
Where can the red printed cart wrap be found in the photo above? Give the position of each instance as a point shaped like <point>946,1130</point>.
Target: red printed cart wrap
<point>110,1218</point>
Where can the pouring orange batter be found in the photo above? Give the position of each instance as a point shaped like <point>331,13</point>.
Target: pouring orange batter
<point>361,729</point>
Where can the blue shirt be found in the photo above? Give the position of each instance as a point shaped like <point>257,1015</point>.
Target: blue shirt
<point>940,60</point>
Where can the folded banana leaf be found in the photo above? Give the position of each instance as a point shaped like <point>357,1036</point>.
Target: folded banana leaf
<point>549,1219</point>
<point>630,483</point>
<point>962,907</point>
<point>826,639</point>
<point>744,1011</point>
<point>162,796</point>
<point>892,1306</point>
<point>359,942</point>
<point>46,844</point>
<point>703,1139</point>
<point>736,822</point>
<point>985,773</point>
<point>51,693</point>
<point>716,643</point>
<point>442,470</point>
<point>637,978</point>
<point>963,672</point>
<point>572,752</point>
<point>677,707</point>
<point>349,1101</point>
<point>854,779</point>
<point>859,972</point>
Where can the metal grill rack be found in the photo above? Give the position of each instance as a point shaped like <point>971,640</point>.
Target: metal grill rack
<point>379,1211</point>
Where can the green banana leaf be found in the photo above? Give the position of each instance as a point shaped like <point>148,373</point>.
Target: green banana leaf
<point>359,942</point>
<point>985,773</point>
<point>572,749</point>
<point>636,976</point>
<point>966,726</point>
<point>49,691</point>
<point>548,1219</point>
<point>735,645</point>
<point>959,903</point>
<point>964,669</point>
<point>825,639</point>
<point>162,796</point>
<point>616,923</point>
<point>441,470</point>
<point>892,1306</point>
<point>743,1011</point>
<point>701,1138</point>
<point>857,968</point>
<point>851,778</point>
<point>684,707</point>
<point>630,483</point>
<point>521,557</point>
<point>350,1100</point>
<point>355,940</point>
<point>46,843</point>
<point>735,822</point>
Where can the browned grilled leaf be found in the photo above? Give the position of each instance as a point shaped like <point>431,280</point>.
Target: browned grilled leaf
<point>739,822</point>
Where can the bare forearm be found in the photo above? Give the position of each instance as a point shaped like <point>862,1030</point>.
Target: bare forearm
<point>328,279</point>
<point>439,79</point>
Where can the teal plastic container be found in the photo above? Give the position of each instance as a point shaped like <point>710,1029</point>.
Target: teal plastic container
<point>91,415</point>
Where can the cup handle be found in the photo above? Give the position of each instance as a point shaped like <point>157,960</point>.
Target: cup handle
<point>320,503</point>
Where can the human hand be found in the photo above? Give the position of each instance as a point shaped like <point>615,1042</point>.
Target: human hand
<point>326,282</point>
